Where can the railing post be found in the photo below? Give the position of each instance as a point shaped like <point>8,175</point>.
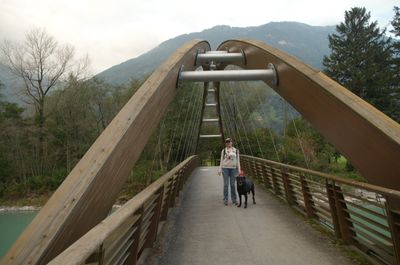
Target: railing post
<point>251,173</point>
<point>187,172</point>
<point>267,183</point>
<point>288,188</point>
<point>393,218</point>
<point>175,188</point>
<point>164,211</point>
<point>308,200</point>
<point>134,249</point>
<point>182,179</point>
<point>274,182</point>
<point>155,220</point>
<point>248,167</point>
<point>254,169</point>
<point>243,164</point>
<point>259,172</point>
<point>343,216</point>
<point>247,164</point>
<point>332,207</point>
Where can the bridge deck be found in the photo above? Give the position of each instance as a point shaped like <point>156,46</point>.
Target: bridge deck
<point>204,231</point>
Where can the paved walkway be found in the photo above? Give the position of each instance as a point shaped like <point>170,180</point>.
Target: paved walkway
<point>204,231</point>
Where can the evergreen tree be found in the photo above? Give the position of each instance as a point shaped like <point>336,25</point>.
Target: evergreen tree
<point>396,42</point>
<point>396,58</point>
<point>396,23</point>
<point>361,59</point>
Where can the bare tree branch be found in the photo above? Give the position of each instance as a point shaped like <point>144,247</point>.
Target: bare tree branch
<point>40,62</point>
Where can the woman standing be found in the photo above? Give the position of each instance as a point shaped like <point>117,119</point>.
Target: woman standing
<point>230,168</point>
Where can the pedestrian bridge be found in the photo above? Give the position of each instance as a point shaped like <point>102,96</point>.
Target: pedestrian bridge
<point>204,231</point>
<point>75,226</point>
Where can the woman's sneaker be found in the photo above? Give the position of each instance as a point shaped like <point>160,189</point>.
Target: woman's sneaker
<point>225,203</point>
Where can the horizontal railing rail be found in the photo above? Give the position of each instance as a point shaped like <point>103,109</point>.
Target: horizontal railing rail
<point>123,235</point>
<point>357,213</point>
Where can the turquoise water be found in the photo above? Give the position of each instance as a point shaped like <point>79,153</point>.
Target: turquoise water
<point>11,226</point>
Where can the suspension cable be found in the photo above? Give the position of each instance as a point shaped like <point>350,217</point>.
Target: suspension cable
<point>230,131</point>
<point>231,124</point>
<point>188,134</point>
<point>251,122</point>
<point>235,127</point>
<point>232,121</point>
<point>269,128</point>
<point>149,176</point>
<point>184,126</point>
<point>200,122</point>
<point>241,121</point>
<point>196,128</point>
<point>184,93</point>
<point>225,123</point>
<point>298,139</point>
<point>188,143</point>
<point>190,129</point>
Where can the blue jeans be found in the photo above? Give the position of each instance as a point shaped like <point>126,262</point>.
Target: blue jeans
<point>229,176</point>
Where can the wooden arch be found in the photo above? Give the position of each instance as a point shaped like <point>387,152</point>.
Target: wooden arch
<point>366,136</point>
<point>89,191</point>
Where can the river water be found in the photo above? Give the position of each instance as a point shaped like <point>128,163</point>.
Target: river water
<point>12,223</point>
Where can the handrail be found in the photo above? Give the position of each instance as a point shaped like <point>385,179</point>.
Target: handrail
<point>358,184</point>
<point>360,214</point>
<point>166,188</point>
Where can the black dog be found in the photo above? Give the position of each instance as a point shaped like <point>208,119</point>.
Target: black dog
<point>244,186</point>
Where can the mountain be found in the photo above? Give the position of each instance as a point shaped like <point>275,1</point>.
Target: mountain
<point>307,43</point>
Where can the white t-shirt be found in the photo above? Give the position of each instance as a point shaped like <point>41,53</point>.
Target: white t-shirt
<point>230,158</point>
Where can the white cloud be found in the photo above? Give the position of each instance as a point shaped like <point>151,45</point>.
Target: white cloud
<point>115,31</point>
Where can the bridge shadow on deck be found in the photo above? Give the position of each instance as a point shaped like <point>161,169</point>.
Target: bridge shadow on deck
<point>204,231</point>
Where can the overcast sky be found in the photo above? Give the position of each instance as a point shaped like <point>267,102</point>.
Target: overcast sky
<point>113,31</point>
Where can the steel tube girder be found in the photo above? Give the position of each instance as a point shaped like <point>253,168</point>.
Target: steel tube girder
<point>227,75</point>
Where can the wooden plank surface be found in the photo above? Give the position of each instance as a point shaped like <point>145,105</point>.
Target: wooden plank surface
<point>204,231</point>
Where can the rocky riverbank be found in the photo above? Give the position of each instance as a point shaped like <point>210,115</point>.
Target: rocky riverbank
<point>18,208</point>
<point>29,202</point>
<point>33,208</point>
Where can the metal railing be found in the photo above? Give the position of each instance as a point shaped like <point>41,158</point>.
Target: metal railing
<point>358,213</point>
<point>122,236</point>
